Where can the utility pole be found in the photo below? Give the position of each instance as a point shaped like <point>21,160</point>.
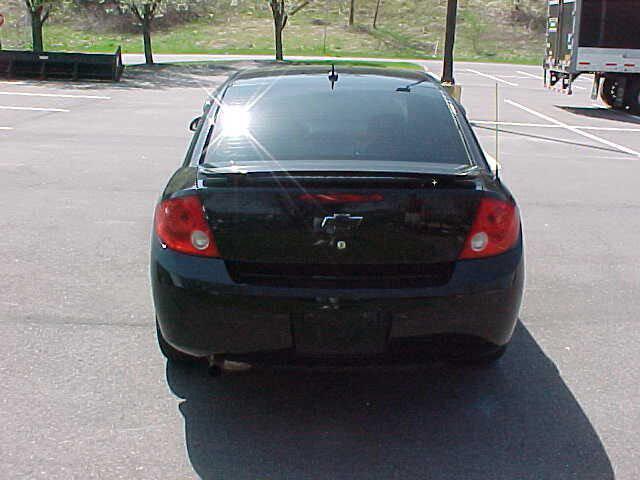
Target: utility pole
<point>1,23</point>
<point>352,13</point>
<point>450,37</point>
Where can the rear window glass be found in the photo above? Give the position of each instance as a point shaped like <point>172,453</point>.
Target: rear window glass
<point>302,118</point>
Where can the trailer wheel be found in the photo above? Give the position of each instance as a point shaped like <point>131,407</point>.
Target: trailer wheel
<point>608,92</point>
<point>633,96</point>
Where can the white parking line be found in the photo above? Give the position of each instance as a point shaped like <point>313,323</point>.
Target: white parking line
<point>514,124</point>
<point>530,75</point>
<point>497,79</point>
<point>6,128</point>
<point>546,125</point>
<point>34,109</point>
<point>573,129</point>
<point>57,95</point>
<point>610,129</point>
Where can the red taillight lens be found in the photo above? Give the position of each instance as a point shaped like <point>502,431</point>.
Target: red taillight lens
<point>181,226</point>
<point>494,231</point>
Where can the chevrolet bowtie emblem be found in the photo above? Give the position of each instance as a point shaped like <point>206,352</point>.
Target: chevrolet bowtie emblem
<point>340,223</point>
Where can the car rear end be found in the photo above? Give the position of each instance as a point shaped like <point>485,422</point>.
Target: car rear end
<point>259,252</point>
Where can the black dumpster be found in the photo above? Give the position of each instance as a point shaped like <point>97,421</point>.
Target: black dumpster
<point>93,66</point>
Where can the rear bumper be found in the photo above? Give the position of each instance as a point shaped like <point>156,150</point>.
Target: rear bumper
<point>201,311</point>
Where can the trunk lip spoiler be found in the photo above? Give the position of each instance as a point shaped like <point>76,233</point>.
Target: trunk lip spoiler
<point>460,171</point>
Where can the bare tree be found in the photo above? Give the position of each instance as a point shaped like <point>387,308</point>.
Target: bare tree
<point>145,11</point>
<point>39,11</point>
<point>280,18</point>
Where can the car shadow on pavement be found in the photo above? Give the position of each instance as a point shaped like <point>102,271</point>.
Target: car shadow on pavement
<point>515,420</point>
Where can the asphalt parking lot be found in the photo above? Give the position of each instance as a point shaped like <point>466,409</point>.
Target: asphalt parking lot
<point>88,395</point>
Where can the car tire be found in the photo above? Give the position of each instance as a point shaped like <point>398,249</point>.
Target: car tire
<point>172,354</point>
<point>479,359</point>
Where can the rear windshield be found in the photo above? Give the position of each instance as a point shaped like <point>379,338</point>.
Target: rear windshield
<point>302,118</point>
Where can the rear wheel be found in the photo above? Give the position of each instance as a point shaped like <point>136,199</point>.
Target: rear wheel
<point>170,353</point>
<point>633,96</point>
<point>608,92</point>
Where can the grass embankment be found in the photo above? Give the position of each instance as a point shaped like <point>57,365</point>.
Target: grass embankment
<point>407,29</point>
<point>357,63</point>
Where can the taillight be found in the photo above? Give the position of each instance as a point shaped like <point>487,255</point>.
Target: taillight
<point>495,229</point>
<point>181,226</point>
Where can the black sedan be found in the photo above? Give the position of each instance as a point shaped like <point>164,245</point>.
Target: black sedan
<point>344,215</point>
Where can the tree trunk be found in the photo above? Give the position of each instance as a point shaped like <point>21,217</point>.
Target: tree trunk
<point>279,50</point>
<point>375,16</point>
<point>146,36</point>
<point>278,9</point>
<point>352,14</point>
<point>450,36</point>
<point>36,32</point>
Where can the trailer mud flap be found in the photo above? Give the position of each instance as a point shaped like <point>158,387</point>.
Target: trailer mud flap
<point>596,87</point>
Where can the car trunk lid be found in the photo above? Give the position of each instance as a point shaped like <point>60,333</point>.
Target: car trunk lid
<point>341,222</point>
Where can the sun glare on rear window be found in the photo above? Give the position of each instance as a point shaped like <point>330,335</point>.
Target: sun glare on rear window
<point>235,121</point>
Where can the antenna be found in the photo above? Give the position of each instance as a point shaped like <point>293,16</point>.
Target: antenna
<point>333,76</point>
<point>497,130</point>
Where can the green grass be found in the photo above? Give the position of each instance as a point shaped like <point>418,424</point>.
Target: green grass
<point>407,29</point>
<point>357,63</point>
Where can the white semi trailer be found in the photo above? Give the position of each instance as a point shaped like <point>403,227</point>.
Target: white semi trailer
<point>600,37</point>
